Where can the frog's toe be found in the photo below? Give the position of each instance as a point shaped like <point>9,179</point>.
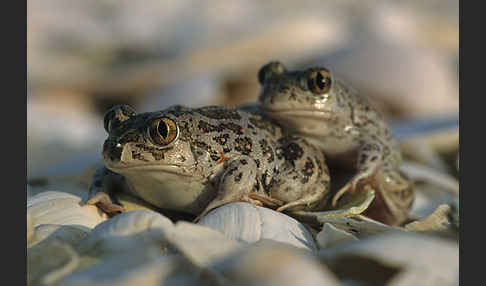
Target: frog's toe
<point>307,203</point>
<point>289,205</point>
<point>261,200</point>
<point>104,202</point>
<point>110,208</point>
<point>357,182</point>
<point>349,187</point>
<point>257,203</point>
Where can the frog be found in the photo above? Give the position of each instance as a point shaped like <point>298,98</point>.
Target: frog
<point>334,117</point>
<point>194,160</point>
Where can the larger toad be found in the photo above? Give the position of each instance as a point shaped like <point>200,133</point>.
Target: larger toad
<point>196,159</point>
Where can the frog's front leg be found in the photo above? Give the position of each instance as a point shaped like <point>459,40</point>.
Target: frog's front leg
<point>104,185</point>
<point>235,184</point>
<point>377,167</point>
<point>370,160</point>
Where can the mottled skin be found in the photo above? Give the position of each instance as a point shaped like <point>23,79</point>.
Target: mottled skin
<point>335,118</point>
<point>204,158</point>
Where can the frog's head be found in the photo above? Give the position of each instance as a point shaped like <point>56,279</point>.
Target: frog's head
<point>298,97</point>
<point>145,142</point>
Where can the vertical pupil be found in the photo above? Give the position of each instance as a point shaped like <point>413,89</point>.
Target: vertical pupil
<point>321,81</point>
<point>162,129</point>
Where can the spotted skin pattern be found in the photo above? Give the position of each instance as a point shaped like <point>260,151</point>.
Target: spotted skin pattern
<point>219,155</point>
<point>336,119</point>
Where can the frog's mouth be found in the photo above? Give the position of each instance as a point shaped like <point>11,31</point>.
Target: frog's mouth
<point>300,113</point>
<point>171,169</point>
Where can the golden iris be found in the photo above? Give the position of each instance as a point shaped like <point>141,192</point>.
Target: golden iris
<point>319,82</point>
<point>163,131</point>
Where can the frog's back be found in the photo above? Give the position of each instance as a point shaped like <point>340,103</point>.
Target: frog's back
<point>226,133</point>
<point>241,121</point>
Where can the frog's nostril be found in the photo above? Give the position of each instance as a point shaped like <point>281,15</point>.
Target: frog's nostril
<point>112,150</point>
<point>116,154</point>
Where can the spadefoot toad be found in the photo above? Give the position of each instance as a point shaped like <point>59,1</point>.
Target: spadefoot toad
<point>196,159</point>
<point>336,119</point>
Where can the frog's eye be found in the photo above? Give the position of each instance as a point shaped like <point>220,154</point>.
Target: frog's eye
<point>163,131</point>
<point>117,114</point>
<point>270,69</point>
<point>319,81</point>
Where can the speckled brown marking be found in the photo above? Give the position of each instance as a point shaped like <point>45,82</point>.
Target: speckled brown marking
<point>267,150</point>
<point>222,158</point>
<point>231,171</point>
<point>308,170</point>
<point>131,137</point>
<point>206,127</point>
<point>257,162</point>
<point>202,145</point>
<point>185,131</point>
<point>371,147</point>
<point>243,145</point>
<point>266,186</point>
<point>263,124</point>
<point>222,139</point>
<point>291,151</point>
<point>216,112</point>
<point>238,177</point>
<point>319,167</point>
<point>237,129</point>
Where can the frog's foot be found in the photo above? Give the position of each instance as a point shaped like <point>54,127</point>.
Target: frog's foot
<point>103,201</point>
<point>235,184</point>
<point>394,198</point>
<point>315,200</point>
<point>369,163</point>
<point>261,200</point>
<point>291,205</point>
<point>352,185</point>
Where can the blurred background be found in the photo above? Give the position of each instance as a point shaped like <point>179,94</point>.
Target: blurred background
<point>86,56</point>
